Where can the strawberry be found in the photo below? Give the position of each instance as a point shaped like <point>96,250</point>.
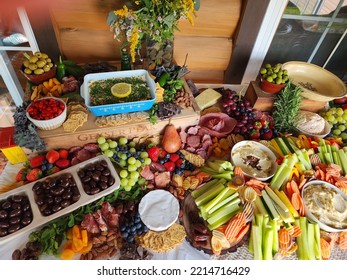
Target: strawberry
<point>254,134</point>
<point>179,162</point>
<point>63,153</point>
<point>36,161</point>
<point>21,175</point>
<point>53,170</point>
<point>153,153</point>
<point>52,156</point>
<point>170,166</point>
<point>267,135</point>
<point>34,174</point>
<point>162,153</point>
<point>174,157</point>
<point>257,125</point>
<point>62,163</point>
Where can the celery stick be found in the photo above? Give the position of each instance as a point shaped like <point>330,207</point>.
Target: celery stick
<point>285,217</point>
<point>250,241</point>
<point>223,202</point>
<point>270,205</point>
<point>301,166</point>
<point>208,195</point>
<point>222,220</point>
<point>259,221</point>
<point>276,199</point>
<point>275,243</point>
<point>221,196</point>
<point>328,158</point>
<point>343,159</point>
<point>282,174</point>
<point>257,242</point>
<point>299,242</point>
<point>310,242</point>
<point>259,206</point>
<point>267,244</point>
<point>307,159</point>
<point>321,156</point>
<point>204,188</point>
<point>224,211</point>
<point>317,248</point>
<point>303,226</point>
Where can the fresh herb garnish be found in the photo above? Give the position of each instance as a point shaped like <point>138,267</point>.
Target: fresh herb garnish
<point>286,108</point>
<point>100,91</point>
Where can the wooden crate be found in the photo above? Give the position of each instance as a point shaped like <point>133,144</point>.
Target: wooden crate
<point>89,132</point>
<point>264,101</point>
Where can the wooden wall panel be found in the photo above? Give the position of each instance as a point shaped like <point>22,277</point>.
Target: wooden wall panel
<point>84,36</point>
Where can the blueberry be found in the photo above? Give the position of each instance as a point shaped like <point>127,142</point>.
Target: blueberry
<point>133,229</point>
<point>142,160</point>
<point>49,165</point>
<point>137,220</point>
<point>123,228</point>
<point>128,230</point>
<point>183,166</point>
<point>138,226</point>
<point>137,214</point>
<point>145,228</point>
<point>43,167</point>
<point>137,154</point>
<point>167,156</point>
<point>181,155</point>
<point>130,239</point>
<point>44,162</point>
<point>179,171</point>
<point>161,161</point>
<point>125,235</point>
<point>139,231</point>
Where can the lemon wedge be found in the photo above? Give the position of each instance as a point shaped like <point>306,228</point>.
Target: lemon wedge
<point>121,90</point>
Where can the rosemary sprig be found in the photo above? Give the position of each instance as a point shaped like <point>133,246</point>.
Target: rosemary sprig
<point>286,108</point>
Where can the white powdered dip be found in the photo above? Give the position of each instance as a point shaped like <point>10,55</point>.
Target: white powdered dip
<point>311,123</point>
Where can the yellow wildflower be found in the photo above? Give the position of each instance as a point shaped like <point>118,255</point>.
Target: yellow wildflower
<point>122,12</point>
<point>134,40</point>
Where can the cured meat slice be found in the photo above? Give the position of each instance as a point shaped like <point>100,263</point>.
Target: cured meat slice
<point>100,220</point>
<point>90,224</point>
<point>83,155</point>
<point>155,166</point>
<point>109,213</point>
<point>75,161</point>
<point>193,130</point>
<point>162,179</point>
<point>73,150</point>
<point>92,147</point>
<point>194,141</point>
<point>147,173</point>
<point>217,124</point>
<point>183,136</point>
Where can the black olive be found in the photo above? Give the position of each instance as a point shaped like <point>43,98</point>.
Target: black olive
<point>103,186</point>
<point>65,203</point>
<point>110,181</point>
<point>14,220</point>
<point>6,205</point>
<point>17,198</point>
<point>25,221</point>
<point>25,207</point>
<point>3,214</point>
<point>4,224</point>
<point>56,208</point>
<point>15,213</point>
<point>13,228</point>
<point>94,191</point>
<point>3,232</point>
<point>106,172</point>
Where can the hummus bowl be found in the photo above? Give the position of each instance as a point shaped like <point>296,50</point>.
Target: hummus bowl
<point>255,159</point>
<point>326,205</point>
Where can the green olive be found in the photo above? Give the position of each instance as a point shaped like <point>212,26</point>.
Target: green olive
<point>26,63</point>
<point>41,63</point>
<point>46,68</point>
<point>38,71</point>
<point>48,60</point>
<point>50,65</point>
<point>27,71</point>
<point>38,54</point>
<point>32,66</point>
<point>44,55</point>
<point>33,59</point>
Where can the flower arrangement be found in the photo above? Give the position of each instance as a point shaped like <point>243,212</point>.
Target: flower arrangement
<point>153,19</point>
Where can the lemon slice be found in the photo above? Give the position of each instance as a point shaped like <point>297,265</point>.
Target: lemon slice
<point>121,90</point>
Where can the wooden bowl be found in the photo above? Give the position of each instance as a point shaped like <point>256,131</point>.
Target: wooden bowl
<point>316,82</point>
<point>270,87</point>
<point>38,79</point>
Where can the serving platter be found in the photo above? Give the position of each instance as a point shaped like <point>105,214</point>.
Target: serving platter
<point>191,217</point>
<point>38,219</point>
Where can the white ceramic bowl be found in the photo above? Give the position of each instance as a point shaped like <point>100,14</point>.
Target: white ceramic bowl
<point>324,133</point>
<point>312,217</point>
<point>52,123</point>
<point>303,74</point>
<point>268,157</point>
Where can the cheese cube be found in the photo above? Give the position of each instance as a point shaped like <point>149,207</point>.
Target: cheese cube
<point>207,98</point>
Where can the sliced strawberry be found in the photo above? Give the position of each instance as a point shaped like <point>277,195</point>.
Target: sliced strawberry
<point>52,156</point>
<point>63,153</point>
<point>170,166</point>
<point>21,175</point>
<point>174,157</point>
<point>34,174</point>
<point>62,163</point>
<point>153,153</point>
